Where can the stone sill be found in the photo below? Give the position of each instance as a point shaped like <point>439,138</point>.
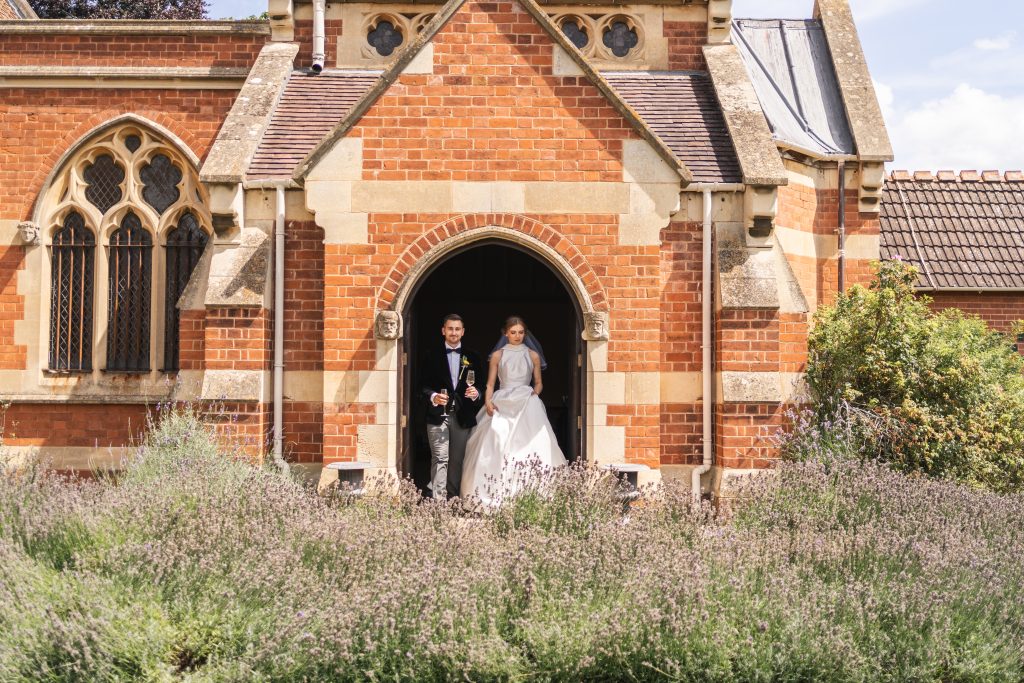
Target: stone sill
<point>132,27</point>
<point>85,399</point>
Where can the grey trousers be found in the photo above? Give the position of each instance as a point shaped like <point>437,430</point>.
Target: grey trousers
<point>447,451</point>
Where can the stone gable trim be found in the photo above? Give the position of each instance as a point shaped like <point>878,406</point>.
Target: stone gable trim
<point>760,162</point>
<point>243,128</point>
<point>435,25</point>
<point>131,27</point>
<point>855,85</point>
<point>22,10</point>
<point>542,240</point>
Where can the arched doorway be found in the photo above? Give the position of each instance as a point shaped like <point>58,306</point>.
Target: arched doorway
<point>485,282</point>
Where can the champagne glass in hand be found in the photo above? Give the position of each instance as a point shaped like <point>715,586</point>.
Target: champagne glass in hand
<point>470,377</point>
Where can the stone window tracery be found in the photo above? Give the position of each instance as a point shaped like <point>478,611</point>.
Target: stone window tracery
<point>135,195</point>
<point>386,32</point>
<point>616,38</point>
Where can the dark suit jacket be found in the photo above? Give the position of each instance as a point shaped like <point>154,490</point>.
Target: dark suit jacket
<point>436,376</point>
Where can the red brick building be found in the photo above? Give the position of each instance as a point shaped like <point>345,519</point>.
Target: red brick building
<point>965,234</point>
<point>269,219</point>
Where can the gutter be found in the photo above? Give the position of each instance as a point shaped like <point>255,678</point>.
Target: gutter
<point>319,54</point>
<point>707,398</point>
<point>278,452</point>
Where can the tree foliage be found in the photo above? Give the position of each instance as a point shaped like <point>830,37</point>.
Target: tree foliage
<point>945,393</point>
<point>120,9</point>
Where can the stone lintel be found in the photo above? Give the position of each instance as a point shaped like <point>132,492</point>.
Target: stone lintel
<point>240,135</point>
<point>756,151</point>
<point>855,84</point>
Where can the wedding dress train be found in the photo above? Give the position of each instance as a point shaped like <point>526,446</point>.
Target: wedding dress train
<point>504,448</point>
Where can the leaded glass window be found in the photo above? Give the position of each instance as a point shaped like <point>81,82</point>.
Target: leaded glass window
<point>384,37</point>
<point>620,38</point>
<point>127,182</point>
<point>185,244</point>
<point>129,273</point>
<point>71,286</point>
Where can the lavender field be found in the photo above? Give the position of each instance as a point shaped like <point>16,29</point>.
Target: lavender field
<point>196,567</point>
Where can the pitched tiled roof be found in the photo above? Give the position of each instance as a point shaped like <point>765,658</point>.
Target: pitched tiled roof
<point>682,110</point>
<point>963,231</point>
<point>310,107</point>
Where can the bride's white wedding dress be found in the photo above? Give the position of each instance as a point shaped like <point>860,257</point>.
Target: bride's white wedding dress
<point>504,448</point>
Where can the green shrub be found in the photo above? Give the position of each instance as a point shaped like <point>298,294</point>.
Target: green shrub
<point>944,393</point>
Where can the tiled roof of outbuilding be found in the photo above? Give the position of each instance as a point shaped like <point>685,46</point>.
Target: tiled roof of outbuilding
<point>310,107</point>
<point>682,110</point>
<point>962,231</point>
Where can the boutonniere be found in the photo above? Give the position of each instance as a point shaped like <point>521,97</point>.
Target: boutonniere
<point>463,364</point>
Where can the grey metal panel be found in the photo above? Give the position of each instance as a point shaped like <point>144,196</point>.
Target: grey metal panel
<point>791,68</point>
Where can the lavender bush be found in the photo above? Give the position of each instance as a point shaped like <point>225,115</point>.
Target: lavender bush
<point>197,566</point>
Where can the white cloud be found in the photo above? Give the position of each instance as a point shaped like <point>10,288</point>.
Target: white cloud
<point>967,129</point>
<point>998,44</point>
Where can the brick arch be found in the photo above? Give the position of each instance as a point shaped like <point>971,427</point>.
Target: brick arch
<point>541,240</point>
<point>159,122</point>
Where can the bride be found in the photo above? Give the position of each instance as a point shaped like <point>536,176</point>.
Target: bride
<point>515,434</point>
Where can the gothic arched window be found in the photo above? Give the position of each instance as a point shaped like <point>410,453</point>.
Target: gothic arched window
<point>128,189</point>
<point>128,291</point>
<point>71,296</point>
<point>185,244</point>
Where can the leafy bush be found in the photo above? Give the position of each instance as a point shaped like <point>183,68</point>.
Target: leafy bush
<point>939,393</point>
<point>195,566</point>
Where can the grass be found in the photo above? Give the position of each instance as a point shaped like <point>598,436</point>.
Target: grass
<point>196,566</point>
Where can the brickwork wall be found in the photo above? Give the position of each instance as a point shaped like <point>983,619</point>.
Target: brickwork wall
<point>685,42</point>
<point>38,126</point>
<point>304,296</point>
<point>241,427</point>
<point>1000,311</point>
<point>743,432</point>
<point>192,339</point>
<point>680,332</point>
<point>499,115</point>
<point>64,424</point>
<point>304,37</point>
<point>238,339</point>
<point>12,308</point>
<point>303,431</point>
<point>816,212</point>
<point>64,49</point>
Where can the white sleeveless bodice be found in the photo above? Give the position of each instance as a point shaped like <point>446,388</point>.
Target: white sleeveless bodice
<point>516,367</point>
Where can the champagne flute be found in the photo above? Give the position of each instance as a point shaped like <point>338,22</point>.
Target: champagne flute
<point>470,377</point>
<point>444,393</point>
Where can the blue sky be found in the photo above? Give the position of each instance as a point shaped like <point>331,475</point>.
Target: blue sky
<point>949,74</point>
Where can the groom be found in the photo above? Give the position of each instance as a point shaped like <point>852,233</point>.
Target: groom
<point>451,416</point>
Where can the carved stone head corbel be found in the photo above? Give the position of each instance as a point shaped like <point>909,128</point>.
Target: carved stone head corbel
<point>388,325</point>
<point>595,326</point>
<point>29,233</point>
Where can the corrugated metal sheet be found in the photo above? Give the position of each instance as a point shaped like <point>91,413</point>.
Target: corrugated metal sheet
<point>791,68</point>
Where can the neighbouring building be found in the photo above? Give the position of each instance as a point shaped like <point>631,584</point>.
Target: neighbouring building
<point>356,170</point>
<point>965,234</point>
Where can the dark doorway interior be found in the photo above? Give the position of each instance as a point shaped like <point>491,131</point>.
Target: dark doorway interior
<point>485,284</point>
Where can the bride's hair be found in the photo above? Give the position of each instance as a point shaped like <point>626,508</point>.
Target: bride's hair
<point>514,320</point>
